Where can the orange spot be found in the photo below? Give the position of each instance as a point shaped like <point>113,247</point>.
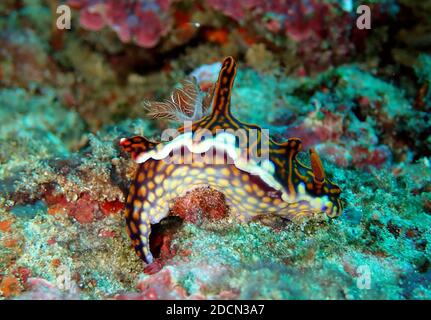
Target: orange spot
<point>5,225</point>
<point>51,198</point>
<point>219,36</point>
<point>56,263</point>
<point>141,177</point>
<point>133,227</point>
<point>129,233</point>
<point>125,143</point>
<point>10,286</point>
<point>136,215</point>
<point>247,37</point>
<point>57,208</point>
<point>10,243</point>
<point>316,165</point>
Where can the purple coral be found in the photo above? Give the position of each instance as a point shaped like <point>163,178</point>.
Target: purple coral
<point>314,25</point>
<point>298,18</point>
<point>143,22</point>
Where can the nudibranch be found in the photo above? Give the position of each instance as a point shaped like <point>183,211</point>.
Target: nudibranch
<point>215,151</point>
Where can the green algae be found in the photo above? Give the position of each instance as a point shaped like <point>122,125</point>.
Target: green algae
<point>263,99</point>
<point>34,127</point>
<point>105,266</point>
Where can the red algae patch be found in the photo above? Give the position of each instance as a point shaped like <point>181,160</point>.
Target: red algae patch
<point>200,203</point>
<point>84,209</point>
<point>111,207</point>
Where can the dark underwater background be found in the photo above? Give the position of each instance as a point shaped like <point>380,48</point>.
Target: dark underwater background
<point>360,97</point>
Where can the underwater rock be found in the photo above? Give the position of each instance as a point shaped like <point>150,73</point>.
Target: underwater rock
<point>159,286</point>
<point>23,60</point>
<point>35,126</point>
<point>83,209</point>
<point>200,204</point>
<point>40,289</point>
<point>261,59</point>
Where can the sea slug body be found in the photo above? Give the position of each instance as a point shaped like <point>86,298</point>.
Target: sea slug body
<point>257,175</point>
